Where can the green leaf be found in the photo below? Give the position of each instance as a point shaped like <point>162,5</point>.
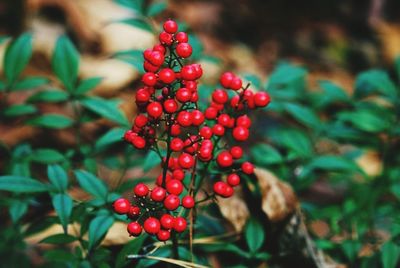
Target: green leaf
<point>374,81</point>
<point>17,209</point>
<point>105,108</point>
<point>87,85</point>
<point>91,184</point>
<point>332,162</point>
<point>132,57</point>
<point>368,120</point>
<point>151,160</point>
<point>98,227</point>
<point>296,141</point>
<point>132,247</point>
<point>63,204</point>
<point>18,184</point>
<point>17,56</point>
<point>30,83</point>
<point>114,135</point>
<point>53,95</point>
<point>156,8</point>
<point>19,110</point>
<point>265,154</point>
<point>59,239</point>
<point>56,121</point>
<point>47,156</point>
<point>59,255</point>
<point>286,74</point>
<point>137,23</point>
<point>303,115</point>
<point>65,62</point>
<point>255,236</point>
<point>136,5</point>
<point>332,93</point>
<point>390,255</point>
<point>58,177</point>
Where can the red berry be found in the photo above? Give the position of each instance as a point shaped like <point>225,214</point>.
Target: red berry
<point>159,180</point>
<point>191,85</point>
<point>175,130</point>
<point>154,109</point>
<point>165,38</point>
<point>186,161</point>
<point>141,190</point>
<point>249,98</point>
<point>163,235</point>
<point>158,194</point>
<point>166,75</point>
<point>220,187</point>
<point>181,37</point>
<point>183,95</point>
<point>236,83</point>
<point>167,221</point>
<point>171,202</point>
<point>178,174</point>
<point>240,133</point>
<point>226,79</point>
<point>159,48</point>
<point>151,225</point>
<point>243,121</point>
<point>188,72</point>
<point>139,142</point>
<point>149,79</point>
<point>134,229</point>
<point>233,179</point>
<point>184,118</point>
<point>211,113</point>
<point>235,103</point>
<point>134,211</point>
<point>228,191</point>
<point>122,206</point>
<point>129,136</point>
<point>176,144</point>
<point>156,58</point>
<point>170,106</point>
<point>197,117</point>
<point>236,152</point>
<point>195,97</point>
<point>180,224</point>
<point>142,95</point>
<point>141,120</point>
<point>220,96</point>
<point>224,159</point>
<point>224,120</point>
<point>262,99</point>
<point>218,130</point>
<point>174,187</point>
<point>170,26</point>
<point>248,168</point>
<point>184,50</point>
<point>188,201</point>
<point>206,132</point>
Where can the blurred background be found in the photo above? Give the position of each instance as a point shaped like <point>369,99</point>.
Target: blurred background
<point>327,146</point>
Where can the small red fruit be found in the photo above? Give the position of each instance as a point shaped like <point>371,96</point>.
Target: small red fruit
<point>170,106</point>
<point>151,225</point>
<point>220,96</point>
<point>141,190</point>
<point>188,202</point>
<point>149,79</point>
<point>226,79</point>
<point>240,133</point>
<point>224,159</point>
<point>122,206</point>
<point>163,235</point>
<point>174,187</point>
<point>248,168</point>
<point>170,26</point>
<point>154,109</point>
<point>181,37</point>
<point>236,152</point>
<point>233,179</point>
<point>186,161</point>
<point>158,194</point>
<point>166,75</point>
<point>167,221</point>
<point>176,144</point>
<point>261,99</point>
<point>171,202</point>
<point>180,224</point>
<point>184,50</point>
<point>134,229</point>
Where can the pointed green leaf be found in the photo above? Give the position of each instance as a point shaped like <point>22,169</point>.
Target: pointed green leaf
<point>105,108</point>
<point>264,154</point>
<point>303,115</point>
<point>114,135</point>
<point>19,184</point>
<point>98,228</point>
<point>17,209</point>
<point>91,184</point>
<point>53,95</point>
<point>19,110</point>
<point>47,156</point>
<point>30,83</point>
<point>63,204</point>
<point>58,177</point>
<point>254,233</point>
<point>390,255</point>
<point>87,85</point>
<point>156,8</point>
<point>56,121</point>
<point>17,56</point>
<point>59,239</point>
<point>151,160</point>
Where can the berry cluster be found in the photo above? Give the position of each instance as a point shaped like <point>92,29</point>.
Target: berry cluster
<point>187,139</point>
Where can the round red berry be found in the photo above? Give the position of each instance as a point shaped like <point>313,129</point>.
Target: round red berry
<point>188,72</point>
<point>248,168</point>
<point>186,161</point>
<point>220,187</point>
<point>184,118</point>
<point>166,75</point>
<point>224,159</point>
<point>142,95</point>
<point>156,58</point>
<point>236,152</point>
<point>171,202</point>
<point>154,109</point>
<point>122,206</point>
<point>178,174</point>
<point>175,130</point>
<point>158,194</point>
<point>188,201</point>
<point>134,211</point>
<point>240,133</point>
<point>233,179</point>
<point>184,50</point>
<point>197,117</point>
<point>220,96</point>
<point>228,191</point>
<point>211,113</point>
<point>149,79</point>
<point>174,187</point>
<point>159,48</point>
<point>176,144</point>
<point>139,142</point>
<point>141,120</point>
<point>236,83</point>
<point>206,132</point>
<point>141,190</point>
<point>261,99</point>
<point>224,120</point>
<point>183,95</point>
<point>134,229</point>
<point>170,26</point>
<point>243,121</point>
<point>226,79</point>
<point>163,235</point>
<point>218,130</point>
<point>180,224</point>
<point>181,37</point>
<point>165,38</point>
<point>167,221</point>
<point>170,106</point>
<point>151,225</point>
